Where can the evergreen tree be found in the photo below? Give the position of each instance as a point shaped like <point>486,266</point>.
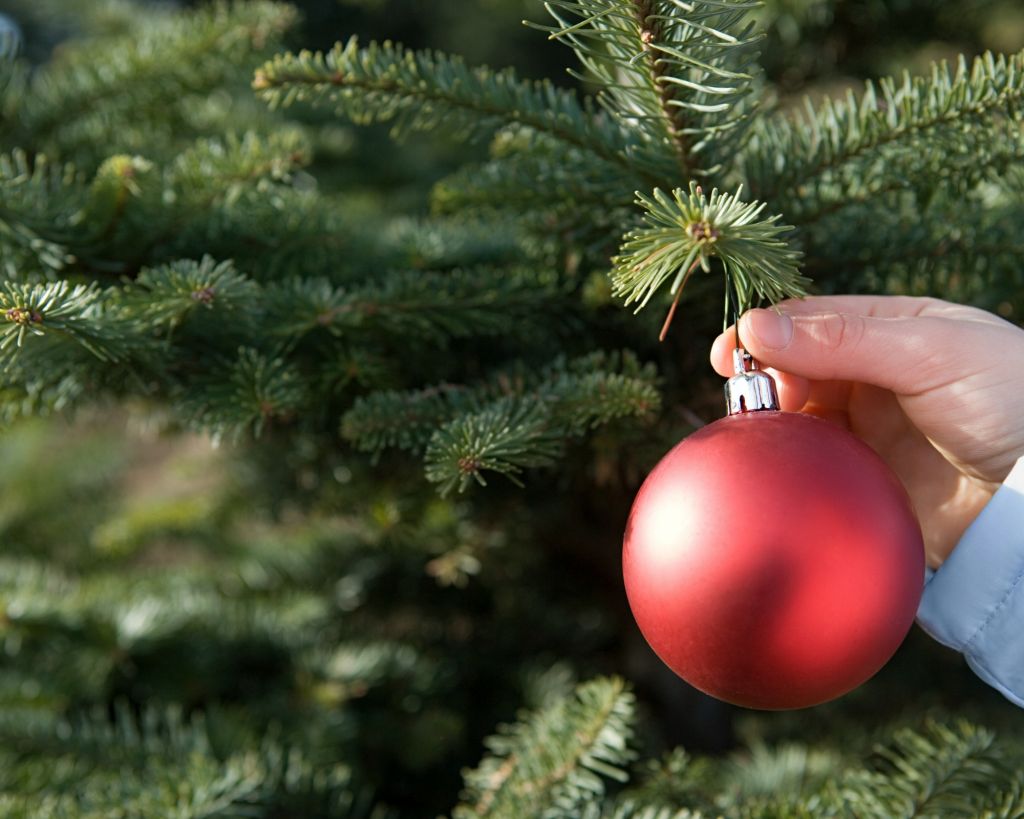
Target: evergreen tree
<point>431,424</point>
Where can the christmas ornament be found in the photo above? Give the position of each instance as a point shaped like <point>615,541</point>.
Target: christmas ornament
<point>772,559</point>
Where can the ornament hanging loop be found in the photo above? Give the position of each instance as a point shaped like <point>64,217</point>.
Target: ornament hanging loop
<point>742,361</point>
<point>750,389</point>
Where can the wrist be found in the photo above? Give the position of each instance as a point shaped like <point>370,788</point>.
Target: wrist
<point>957,514</point>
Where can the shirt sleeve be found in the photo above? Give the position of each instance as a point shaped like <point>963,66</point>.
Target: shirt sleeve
<point>974,602</point>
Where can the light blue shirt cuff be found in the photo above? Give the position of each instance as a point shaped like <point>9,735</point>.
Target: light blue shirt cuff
<point>974,602</point>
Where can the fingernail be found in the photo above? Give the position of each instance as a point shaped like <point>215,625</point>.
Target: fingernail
<point>773,330</point>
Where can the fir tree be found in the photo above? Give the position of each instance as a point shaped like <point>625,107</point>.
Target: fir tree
<point>432,420</point>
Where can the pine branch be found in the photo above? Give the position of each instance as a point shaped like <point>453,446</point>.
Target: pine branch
<point>555,760</point>
<point>914,250</point>
<point>220,169</point>
<point>404,420</point>
<point>803,164</point>
<point>1007,802</point>
<point>419,90</point>
<point>132,211</point>
<point>444,244</point>
<point>785,778</point>
<point>943,771</point>
<point>181,324</point>
<point>244,395</point>
<point>40,208</point>
<point>279,232</point>
<point>358,665</point>
<point>212,194</point>
<point>52,221</point>
<point>78,633</point>
<point>232,197</point>
<point>85,98</point>
<point>632,810</point>
<point>506,425</point>
<point>30,391</point>
<point>1009,181</point>
<point>678,71</point>
<point>685,231</point>
<point>57,309</point>
<point>430,306</point>
<point>586,393</point>
<point>359,364</point>
<point>677,779</point>
<point>120,182</point>
<point>160,764</point>
<point>506,437</point>
<point>163,297</point>
<point>511,434</point>
<point>540,182</point>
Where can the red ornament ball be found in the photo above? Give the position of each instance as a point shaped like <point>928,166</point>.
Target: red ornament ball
<point>773,560</point>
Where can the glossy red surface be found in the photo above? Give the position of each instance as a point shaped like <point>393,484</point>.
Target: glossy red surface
<point>773,560</point>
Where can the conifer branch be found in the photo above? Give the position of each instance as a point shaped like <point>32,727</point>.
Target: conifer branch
<point>160,763</point>
<point>522,432</point>
<point>468,430</point>
<point>1007,801</point>
<point>199,200</point>
<point>506,437</point>
<point>797,161</point>
<point>164,296</point>
<point>71,103</point>
<point>688,230</point>
<point>578,197</point>
<point>132,210</point>
<point>257,390</point>
<point>405,420</point>
<point>420,90</point>
<point>632,810</point>
<point>916,252</point>
<point>422,304</point>
<point>118,180</point>
<point>580,191</point>
<point>40,220</point>
<point>235,163</point>
<point>448,244</point>
<point>56,309</point>
<point>677,71</point>
<point>160,320</point>
<point>555,760</point>
<point>675,778</point>
<point>39,382</point>
<point>942,771</point>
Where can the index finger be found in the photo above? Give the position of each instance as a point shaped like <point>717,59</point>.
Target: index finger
<point>862,305</point>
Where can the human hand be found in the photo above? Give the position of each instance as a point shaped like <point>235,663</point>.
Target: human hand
<point>935,388</point>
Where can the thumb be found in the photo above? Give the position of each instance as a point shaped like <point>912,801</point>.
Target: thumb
<point>905,354</point>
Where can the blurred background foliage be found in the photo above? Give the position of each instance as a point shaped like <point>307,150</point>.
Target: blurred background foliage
<point>268,590</point>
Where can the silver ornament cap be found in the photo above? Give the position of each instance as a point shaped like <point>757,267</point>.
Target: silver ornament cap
<point>751,389</point>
